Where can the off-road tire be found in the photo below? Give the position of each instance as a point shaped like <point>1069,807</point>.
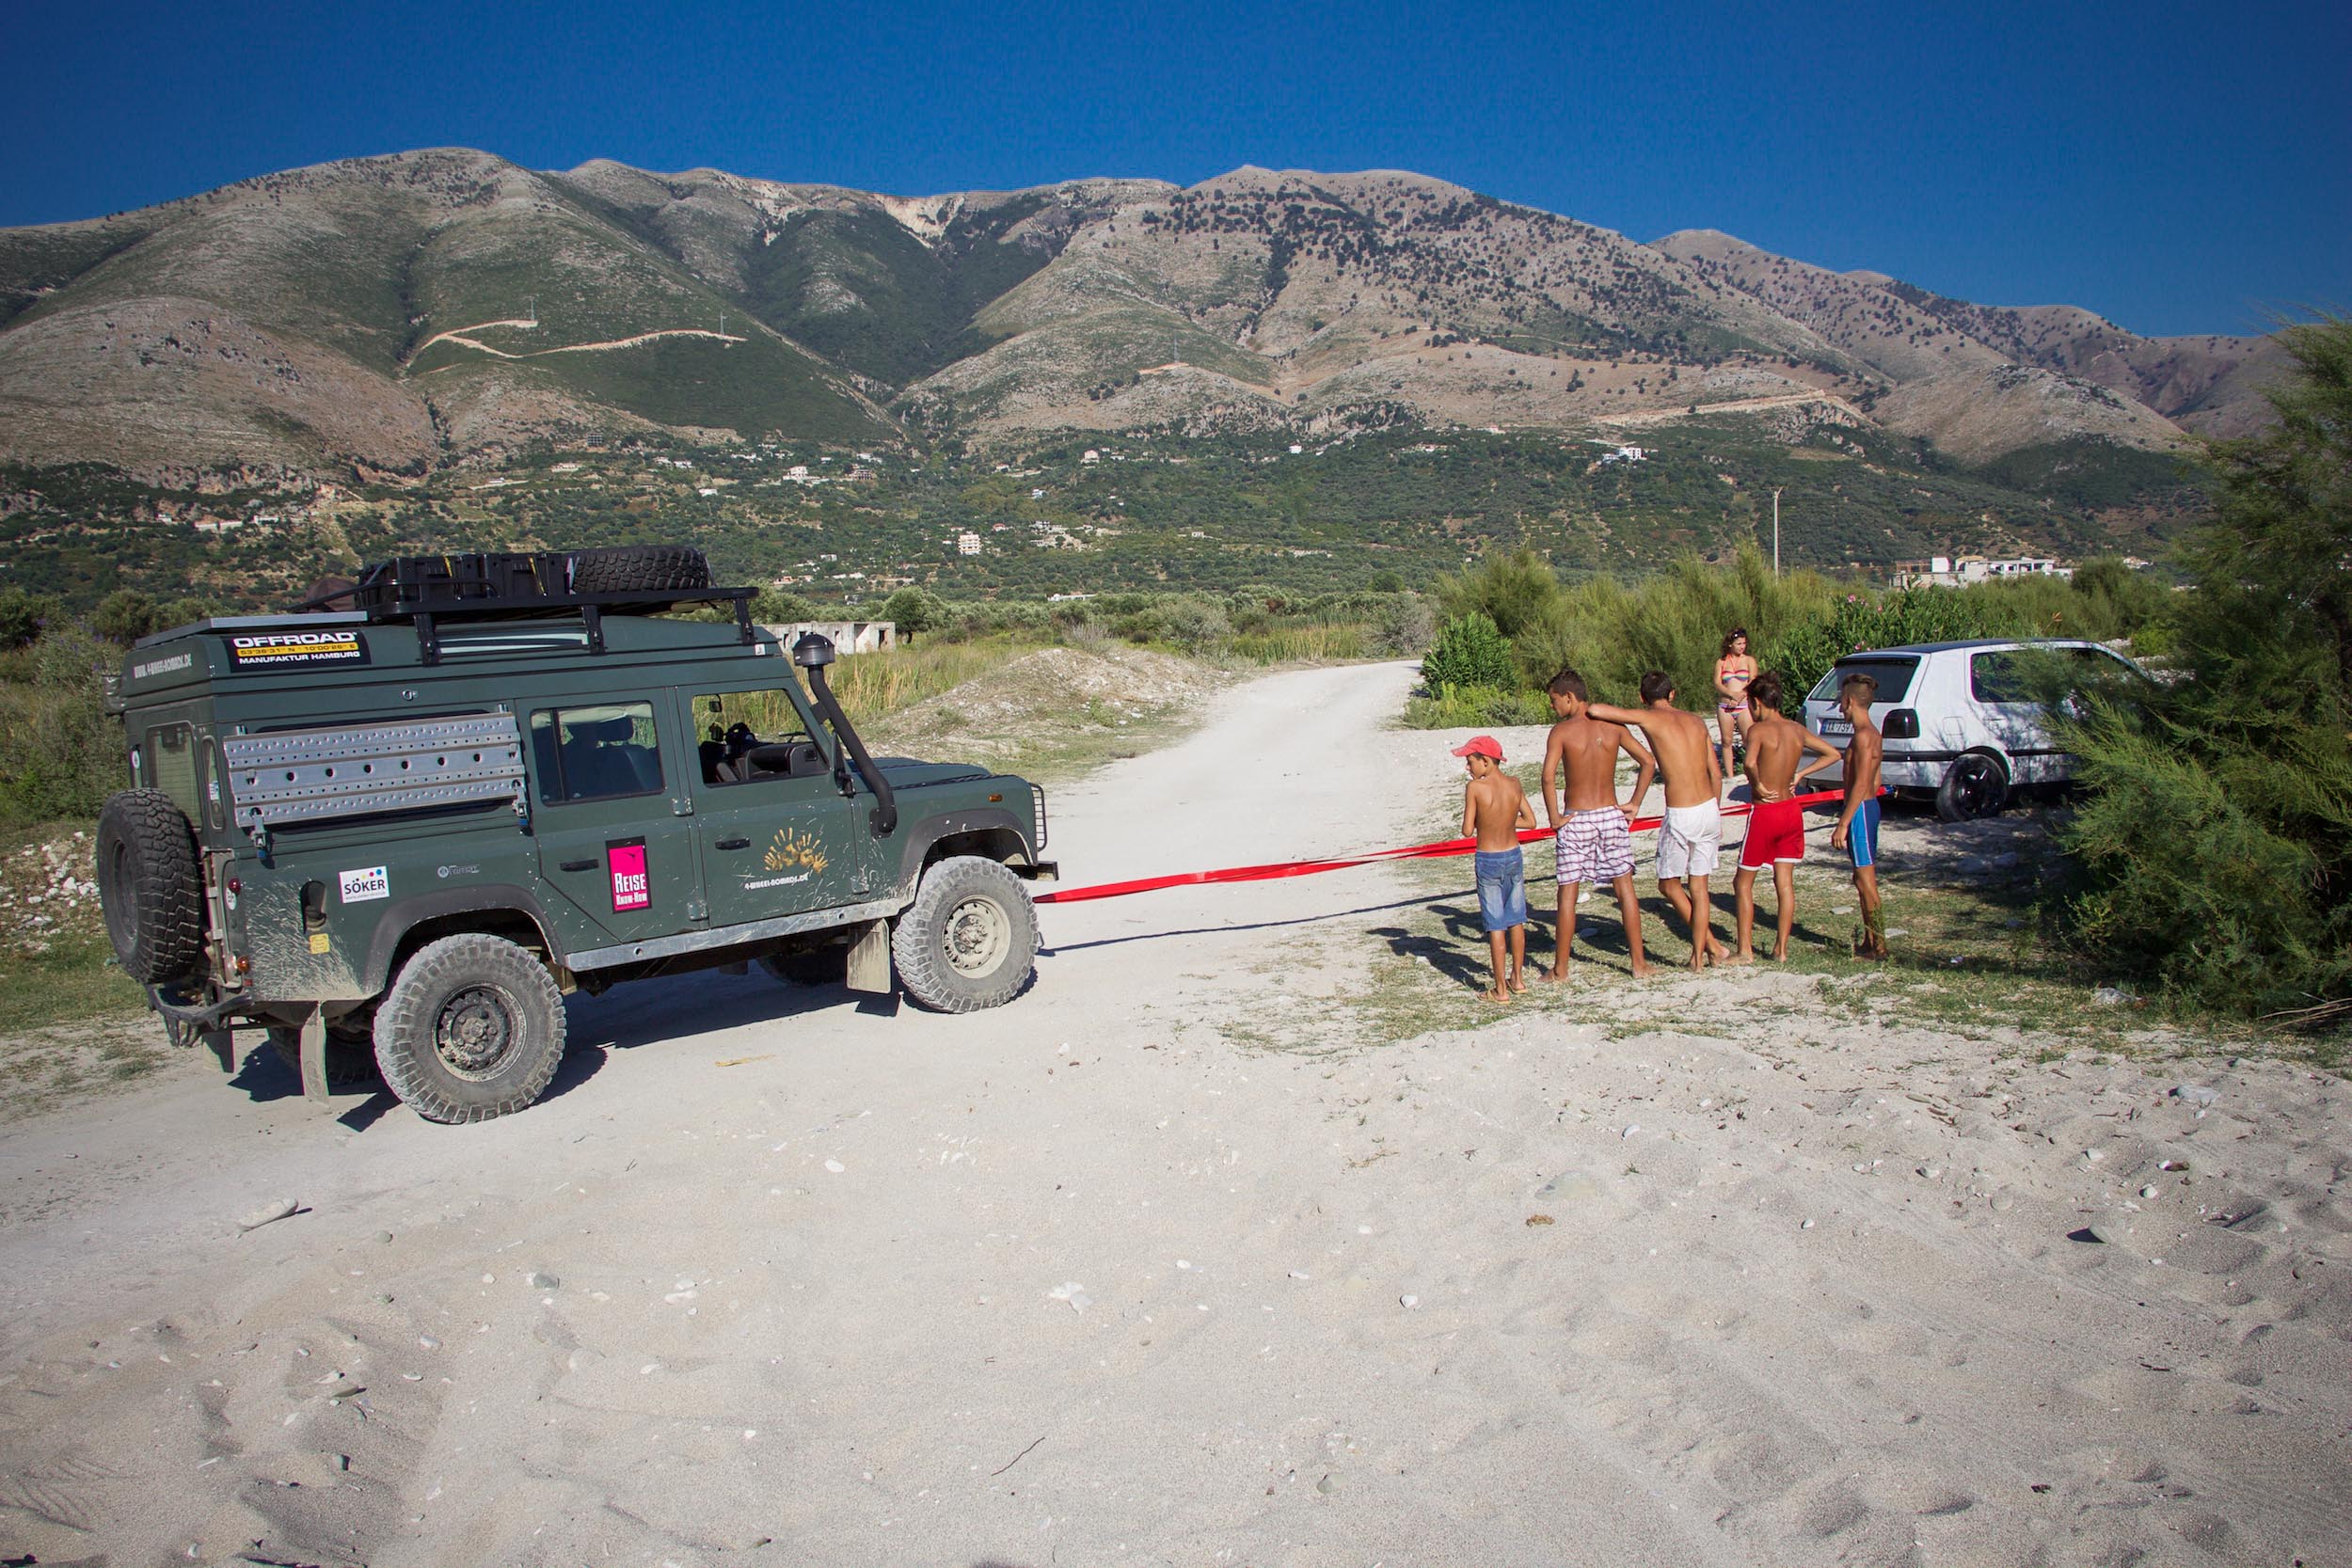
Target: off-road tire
<point>469,996</point>
<point>148,887</point>
<point>1975,786</point>
<point>638,568</point>
<point>350,1053</point>
<point>969,939</point>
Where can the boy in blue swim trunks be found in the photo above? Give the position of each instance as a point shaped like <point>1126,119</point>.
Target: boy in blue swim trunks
<point>1857,831</point>
<point>1494,809</point>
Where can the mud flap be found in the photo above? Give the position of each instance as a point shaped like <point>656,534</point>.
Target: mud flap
<point>314,1057</point>
<point>869,958</point>
<point>223,1045</point>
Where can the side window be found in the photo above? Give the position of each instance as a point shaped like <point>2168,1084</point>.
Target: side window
<point>596,753</point>
<point>750,737</point>
<point>1997,677</point>
<point>171,755</point>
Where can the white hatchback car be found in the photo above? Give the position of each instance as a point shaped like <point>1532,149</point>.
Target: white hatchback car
<point>1962,726</point>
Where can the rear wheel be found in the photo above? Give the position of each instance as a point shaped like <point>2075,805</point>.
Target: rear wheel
<point>1975,786</point>
<point>472,1028</point>
<point>969,939</point>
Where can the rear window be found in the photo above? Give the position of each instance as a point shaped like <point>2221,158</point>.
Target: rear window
<point>1893,672</point>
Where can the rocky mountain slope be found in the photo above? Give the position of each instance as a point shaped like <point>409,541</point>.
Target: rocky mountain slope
<point>395,315</point>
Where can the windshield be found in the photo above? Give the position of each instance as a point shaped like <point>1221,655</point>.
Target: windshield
<point>1893,672</point>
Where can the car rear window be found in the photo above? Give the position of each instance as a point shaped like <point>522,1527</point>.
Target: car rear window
<point>1893,672</point>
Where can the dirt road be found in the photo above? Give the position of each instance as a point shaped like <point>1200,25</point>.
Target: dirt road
<point>778,1278</point>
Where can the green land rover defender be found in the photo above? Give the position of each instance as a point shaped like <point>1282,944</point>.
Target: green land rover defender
<point>395,832</point>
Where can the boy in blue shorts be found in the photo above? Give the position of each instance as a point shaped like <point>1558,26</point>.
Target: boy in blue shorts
<point>1494,809</point>
<point>1857,831</point>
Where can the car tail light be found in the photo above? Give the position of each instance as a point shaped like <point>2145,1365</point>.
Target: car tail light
<point>1037,812</point>
<point>1902,724</point>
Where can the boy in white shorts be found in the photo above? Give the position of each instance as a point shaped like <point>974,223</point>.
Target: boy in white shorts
<point>1692,835</point>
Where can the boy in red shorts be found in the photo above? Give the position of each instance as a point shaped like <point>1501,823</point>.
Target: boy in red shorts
<point>1776,827</point>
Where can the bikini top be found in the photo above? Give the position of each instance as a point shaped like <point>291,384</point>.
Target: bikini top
<point>1743,676</point>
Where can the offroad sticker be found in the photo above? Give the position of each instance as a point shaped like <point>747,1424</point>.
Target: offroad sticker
<point>374,881</point>
<point>625,857</point>
<point>257,649</point>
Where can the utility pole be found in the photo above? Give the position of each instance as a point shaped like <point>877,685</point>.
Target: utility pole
<point>1775,530</point>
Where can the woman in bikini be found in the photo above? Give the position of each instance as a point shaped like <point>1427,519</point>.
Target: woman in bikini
<point>1733,668</point>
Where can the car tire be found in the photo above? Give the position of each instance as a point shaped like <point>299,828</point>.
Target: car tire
<point>969,939</point>
<point>350,1051</point>
<point>149,888</point>
<point>472,1028</point>
<point>1975,786</point>
<point>639,568</point>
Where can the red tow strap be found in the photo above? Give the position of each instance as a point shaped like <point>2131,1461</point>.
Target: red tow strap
<point>1268,872</point>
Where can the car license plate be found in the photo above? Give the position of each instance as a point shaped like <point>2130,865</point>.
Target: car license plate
<point>1837,726</point>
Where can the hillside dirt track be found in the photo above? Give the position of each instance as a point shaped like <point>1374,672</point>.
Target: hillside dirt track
<point>779,1277</point>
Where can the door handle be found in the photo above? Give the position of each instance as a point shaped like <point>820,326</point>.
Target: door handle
<point>734,844</point>
<point>580,866</point>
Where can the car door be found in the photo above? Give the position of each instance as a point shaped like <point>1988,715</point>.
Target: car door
<point>607,797</point>
<point>773,833</point>
<point>2002,691</point>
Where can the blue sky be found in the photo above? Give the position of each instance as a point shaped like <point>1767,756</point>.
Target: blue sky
<point>2178,169</point>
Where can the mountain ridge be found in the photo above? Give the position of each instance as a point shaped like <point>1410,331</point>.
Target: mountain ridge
<point>406,313</point>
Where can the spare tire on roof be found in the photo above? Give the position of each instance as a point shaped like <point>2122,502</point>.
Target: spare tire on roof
<point>639,568</point>
<point>150,888</point>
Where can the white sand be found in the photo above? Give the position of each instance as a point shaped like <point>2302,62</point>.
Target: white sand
<point>1805,1302</point>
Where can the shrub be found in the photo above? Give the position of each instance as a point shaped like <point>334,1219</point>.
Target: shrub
<point>1512,590</point>
<point>1467,707</point>
<point>124,616</point>
<point>1196,625</point>
<point>60,752</point>
<point>23,615</point>
<point>914,610</point>
<point>2214,845</point>
<point>1468,651</point>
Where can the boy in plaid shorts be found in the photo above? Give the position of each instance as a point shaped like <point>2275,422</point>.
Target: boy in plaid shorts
<point>1593,840</point>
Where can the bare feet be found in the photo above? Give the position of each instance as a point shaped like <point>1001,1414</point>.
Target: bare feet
<point>1640,968</point>
<point>1553,975</point>
<point>1736,960</point>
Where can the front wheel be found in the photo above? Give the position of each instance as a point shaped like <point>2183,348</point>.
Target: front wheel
<point>1975,786</point>
<point>472,1028</point>
<point>969,939</point>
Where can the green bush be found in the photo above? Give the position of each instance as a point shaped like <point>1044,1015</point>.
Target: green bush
<point>1401,624</point>
<point>2215,843</point>
<point>1512,590</point>
<point>60,752</point>
<point>1468,651</point>
<point>1196,625</point>
<point>1475,708</point>
<point>124,616</point>
<point>23,615</point>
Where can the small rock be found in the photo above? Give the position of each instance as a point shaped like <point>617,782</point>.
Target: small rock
<point>1539,1219</point>
<point>2147,1191</point>
<point>2195,1094</point>
<point>835,1166</point>
<point>1898,930</point>
<point>1327,1486</point>
<point>383,1235</point>
<point>1806,1225</point>
<point>428,1342</point>
<point>1931,1172</point>
<point>1834,908</point>
<point>269,1214</point>
<point>1408,1301</point>
<point>543,1282</point>
<point>343,1461</point>
<point>2111,996</point>
<point>2087,1236</point>
<point>1636,1127</point>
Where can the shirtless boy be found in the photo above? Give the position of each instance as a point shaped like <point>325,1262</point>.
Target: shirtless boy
<point>1592,837</point>
<point>1857,831</point>
<point>1494,809</point>
<point>1776,827</point>
<point>1692,835</point>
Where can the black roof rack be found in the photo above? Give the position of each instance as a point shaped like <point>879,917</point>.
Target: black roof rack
<point>426,591</point>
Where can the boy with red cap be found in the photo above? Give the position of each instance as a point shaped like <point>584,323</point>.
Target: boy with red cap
<point>1494,809</point>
